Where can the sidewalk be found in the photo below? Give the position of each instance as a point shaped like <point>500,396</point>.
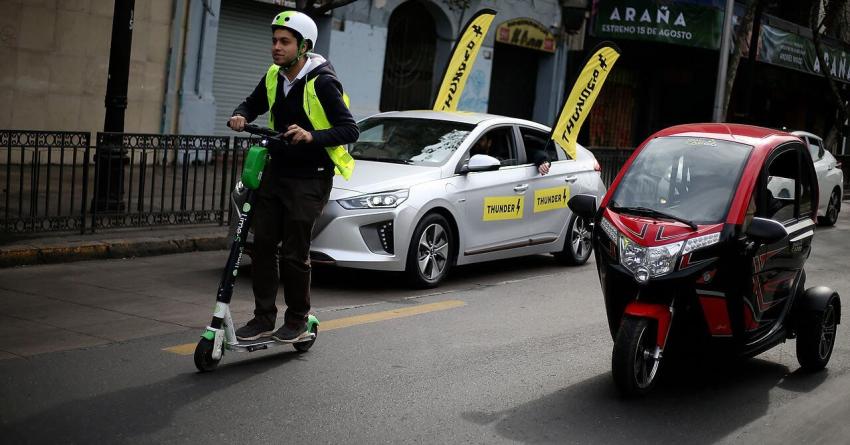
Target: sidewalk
<point>113,243</point>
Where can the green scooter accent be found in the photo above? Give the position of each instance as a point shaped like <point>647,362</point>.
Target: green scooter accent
<point>312,323</point>
<point>255,162</point>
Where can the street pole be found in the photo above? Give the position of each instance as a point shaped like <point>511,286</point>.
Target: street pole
<point>722,66</point>
<point>109,155</point>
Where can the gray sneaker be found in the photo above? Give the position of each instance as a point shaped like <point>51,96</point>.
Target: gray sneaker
<point>254,330</point>
<point>289,334</point>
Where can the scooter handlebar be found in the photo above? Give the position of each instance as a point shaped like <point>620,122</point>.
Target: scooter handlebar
<point>258,130</point>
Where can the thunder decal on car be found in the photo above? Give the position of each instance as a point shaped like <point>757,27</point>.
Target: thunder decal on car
<point>554,198</point>
<point>500,208</point>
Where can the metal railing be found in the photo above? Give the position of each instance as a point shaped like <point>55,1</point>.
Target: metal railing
<point>58,182</point>
<point>45,180</point>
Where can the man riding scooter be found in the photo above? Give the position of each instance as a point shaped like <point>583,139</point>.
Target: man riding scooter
<point>309,108</point>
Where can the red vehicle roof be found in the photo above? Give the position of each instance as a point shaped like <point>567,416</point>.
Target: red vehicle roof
<point>763,140</point>
<point>759,137</point>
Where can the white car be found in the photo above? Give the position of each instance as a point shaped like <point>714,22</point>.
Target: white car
<point>830,178</point>
<point>418,202</point>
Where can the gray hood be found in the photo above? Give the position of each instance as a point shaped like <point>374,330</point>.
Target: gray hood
<point>373,177</point>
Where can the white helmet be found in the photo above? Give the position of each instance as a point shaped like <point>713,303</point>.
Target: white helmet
<point>298,22</point>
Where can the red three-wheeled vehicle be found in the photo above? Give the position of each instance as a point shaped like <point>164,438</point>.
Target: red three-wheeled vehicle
<point>701,240</point>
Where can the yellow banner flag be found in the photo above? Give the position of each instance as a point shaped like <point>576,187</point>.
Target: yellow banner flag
<point>584,93</point>
<point>461,61</point>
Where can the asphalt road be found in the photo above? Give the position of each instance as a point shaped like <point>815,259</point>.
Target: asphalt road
<point>514,351</point>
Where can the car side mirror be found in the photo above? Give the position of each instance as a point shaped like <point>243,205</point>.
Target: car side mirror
<point>583,205</point>
<point>766,230</point>
<point>481,163</point>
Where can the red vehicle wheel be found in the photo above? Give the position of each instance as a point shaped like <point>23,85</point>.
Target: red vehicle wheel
<point>635,364</point>
<point>816,337</point>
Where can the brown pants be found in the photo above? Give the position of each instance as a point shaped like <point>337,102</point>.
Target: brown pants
<point>285,211</point>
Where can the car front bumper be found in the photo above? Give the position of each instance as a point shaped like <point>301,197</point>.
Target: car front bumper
<point>376,239</point>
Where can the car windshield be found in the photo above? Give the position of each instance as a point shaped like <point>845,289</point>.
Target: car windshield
<point>408,140</point>
<point>687,178</point>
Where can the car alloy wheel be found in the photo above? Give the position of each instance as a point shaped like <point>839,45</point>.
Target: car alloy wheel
<point>834,206</point>
<point>578,244</point>
<point>433,252</point>
<point>580,238</point>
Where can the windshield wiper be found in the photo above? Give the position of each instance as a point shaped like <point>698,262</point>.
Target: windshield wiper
<point>390,160</point>
<point>646,211</point>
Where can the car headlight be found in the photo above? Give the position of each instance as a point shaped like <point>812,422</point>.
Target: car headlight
<point>384,200</point>
<point>648,262</point>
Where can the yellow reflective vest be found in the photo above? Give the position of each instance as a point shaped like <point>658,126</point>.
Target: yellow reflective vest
<point>343,162</point>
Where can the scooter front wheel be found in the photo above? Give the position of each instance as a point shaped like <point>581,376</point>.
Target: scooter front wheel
<point>204,360</point>
<point>635,364</point>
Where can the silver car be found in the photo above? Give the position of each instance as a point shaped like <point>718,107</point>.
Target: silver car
<point>432,190</point>
<point>830,178</point>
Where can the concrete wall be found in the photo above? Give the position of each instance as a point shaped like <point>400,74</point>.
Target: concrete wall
<point>357,54</point>
<point>55,56</point>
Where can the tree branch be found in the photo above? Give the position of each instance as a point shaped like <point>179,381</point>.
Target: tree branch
<point>745,26</point>
<point>816,38</point>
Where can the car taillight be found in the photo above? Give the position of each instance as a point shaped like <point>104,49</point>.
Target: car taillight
<point>596,166</point>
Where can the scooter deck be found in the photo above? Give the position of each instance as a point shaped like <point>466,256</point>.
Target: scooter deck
<point>264,343</point>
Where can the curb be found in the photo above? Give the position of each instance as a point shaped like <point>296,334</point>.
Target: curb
<point>23,255</point>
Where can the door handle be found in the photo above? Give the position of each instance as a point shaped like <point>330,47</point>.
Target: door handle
<point>571,179</point>
<point>521,188</point>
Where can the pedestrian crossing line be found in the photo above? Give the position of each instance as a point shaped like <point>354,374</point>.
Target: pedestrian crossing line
<point>356,320</point>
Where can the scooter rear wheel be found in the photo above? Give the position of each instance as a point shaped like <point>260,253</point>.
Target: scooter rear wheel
<point>305,346</point>
<point>634,366</point>
<point>203,356</point>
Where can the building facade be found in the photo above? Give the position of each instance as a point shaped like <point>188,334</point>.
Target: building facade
<point>55,58</point>
<point>193,61</point>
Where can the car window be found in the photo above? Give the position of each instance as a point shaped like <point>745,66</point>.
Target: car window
<point>691,178</point>
<point>779,196</point>
<point>537,146</point>
<point>408,140</point>
<point>814,152</point>
<point>498,143</point>
<point>819,144</point>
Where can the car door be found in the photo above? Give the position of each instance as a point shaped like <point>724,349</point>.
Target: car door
<point>496,201</point>
<point>777,268</point>
<point>549,213</point>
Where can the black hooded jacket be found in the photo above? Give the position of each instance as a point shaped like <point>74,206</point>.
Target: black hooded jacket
<point>305,160</point>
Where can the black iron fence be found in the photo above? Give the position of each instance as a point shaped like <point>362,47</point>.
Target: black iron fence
<point>59,182</point>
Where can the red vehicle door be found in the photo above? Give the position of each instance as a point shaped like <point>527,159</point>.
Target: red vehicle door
<point>785,192</point>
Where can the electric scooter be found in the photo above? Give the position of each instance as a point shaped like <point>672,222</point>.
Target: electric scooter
<point>220,335</point>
